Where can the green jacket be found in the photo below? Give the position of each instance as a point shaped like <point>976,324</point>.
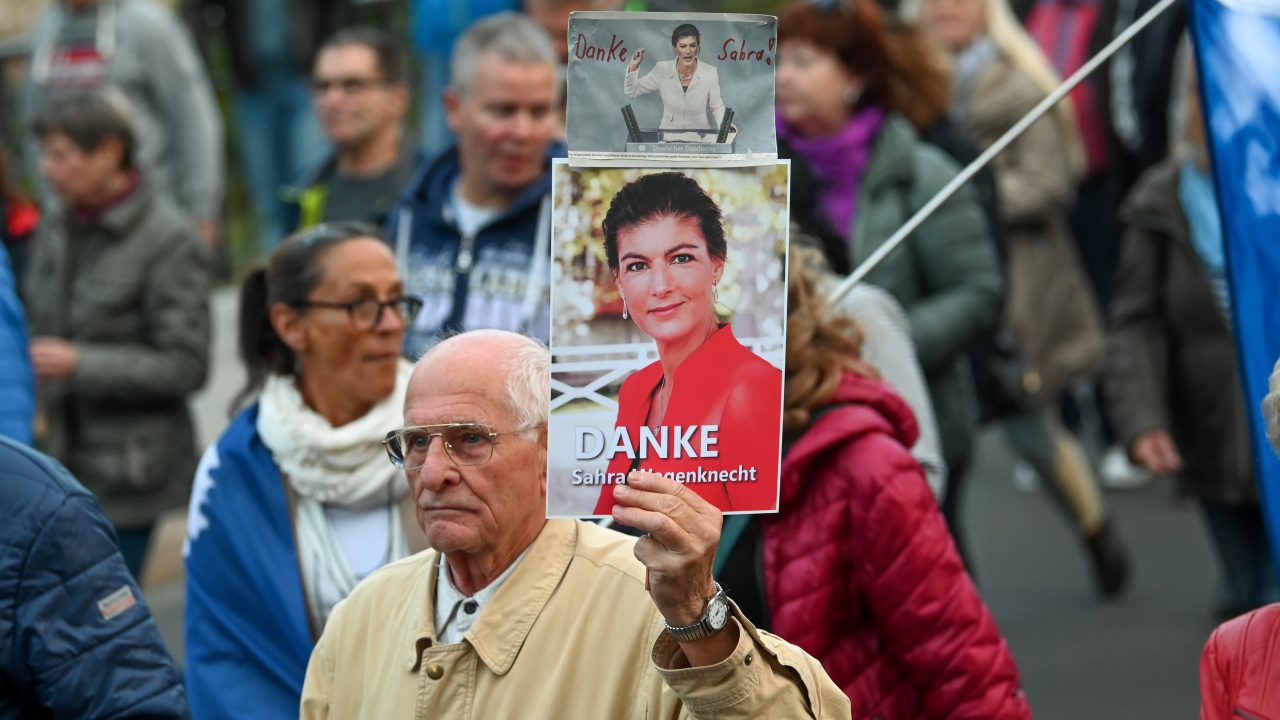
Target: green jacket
<point>131,290</point>
<point>947,275</point>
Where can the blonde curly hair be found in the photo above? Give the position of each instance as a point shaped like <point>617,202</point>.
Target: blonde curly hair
<point>821,345</point>
<point>1270,407</point>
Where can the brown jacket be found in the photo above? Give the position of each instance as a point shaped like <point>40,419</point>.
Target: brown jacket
<point>1049,309</point>
<point>1171,361</point>
<point>571,634</point>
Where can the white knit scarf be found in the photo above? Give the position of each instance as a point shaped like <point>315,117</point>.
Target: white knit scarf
<point>344,466</point>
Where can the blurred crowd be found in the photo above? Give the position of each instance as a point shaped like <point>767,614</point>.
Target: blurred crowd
<point>385,168</point>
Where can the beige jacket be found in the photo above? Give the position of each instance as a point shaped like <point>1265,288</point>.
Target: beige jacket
<point>571,634</point>
<point>1050,310</point>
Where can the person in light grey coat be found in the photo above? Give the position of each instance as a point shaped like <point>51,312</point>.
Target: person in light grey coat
<point>117,293</point>
<point>140,48</point>
<point>887,346</point>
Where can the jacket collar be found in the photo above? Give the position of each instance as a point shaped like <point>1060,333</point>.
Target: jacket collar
<point>706,361</point>
<point>431,191</point>
<point>891,156</point>
<point>502,627</point>
<point>327,169</point>
<point>121,214</point>
<point>1153,203</point>
<point>864,406</point>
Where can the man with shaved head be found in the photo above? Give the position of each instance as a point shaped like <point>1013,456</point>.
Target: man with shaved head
<point>514,615</point>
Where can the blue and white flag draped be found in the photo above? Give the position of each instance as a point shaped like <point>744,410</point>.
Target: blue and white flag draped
<point>1237,46</point>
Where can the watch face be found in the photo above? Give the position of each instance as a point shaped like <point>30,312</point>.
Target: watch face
<point>718,613</point>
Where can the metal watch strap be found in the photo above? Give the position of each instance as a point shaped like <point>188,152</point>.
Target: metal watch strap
<point>702,628</point>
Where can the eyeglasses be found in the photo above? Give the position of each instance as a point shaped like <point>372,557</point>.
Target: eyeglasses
<point>348,85</point>
<point>367,312</point>
<point>467,443</point>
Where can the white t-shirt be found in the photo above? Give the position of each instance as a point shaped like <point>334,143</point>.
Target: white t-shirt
<point>470,217</point>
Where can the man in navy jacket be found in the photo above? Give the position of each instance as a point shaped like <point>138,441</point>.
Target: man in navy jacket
<point>76,638</point>
<point>472,232</point>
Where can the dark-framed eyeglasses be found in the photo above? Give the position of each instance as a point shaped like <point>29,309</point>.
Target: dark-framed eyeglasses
<point>366,312</point>
<point>466,443</point>
<point>348,85</point>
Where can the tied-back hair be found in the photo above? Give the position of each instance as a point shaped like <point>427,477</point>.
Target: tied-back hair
<point>821,345</point>
<point>292,272</point>
<point>1021,51</point>
<point>900,71</point>
<point>660,195</point>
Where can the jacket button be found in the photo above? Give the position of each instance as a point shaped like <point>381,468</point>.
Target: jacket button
<point>435,671</point>
<point>747,659</point>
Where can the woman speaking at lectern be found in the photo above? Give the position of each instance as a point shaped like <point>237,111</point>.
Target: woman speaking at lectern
<point>689,88</point>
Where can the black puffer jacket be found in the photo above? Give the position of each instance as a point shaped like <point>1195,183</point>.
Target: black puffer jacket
<point>76,638</point>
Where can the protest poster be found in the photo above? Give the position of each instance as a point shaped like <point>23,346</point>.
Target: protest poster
<point>668,332</point>
<point>668,89</point>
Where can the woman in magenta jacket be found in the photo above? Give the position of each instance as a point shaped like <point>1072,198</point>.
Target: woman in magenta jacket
<point>665,242</point>
<point>859,568</point>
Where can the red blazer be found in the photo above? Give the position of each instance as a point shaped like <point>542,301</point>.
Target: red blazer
<point>1240,668</point>
<point>861,572</point>
<point>721,383</point>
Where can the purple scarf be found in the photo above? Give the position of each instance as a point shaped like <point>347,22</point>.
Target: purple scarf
<point>838,161</point>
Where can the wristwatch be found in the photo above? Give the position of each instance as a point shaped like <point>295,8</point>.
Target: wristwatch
<point>713,620</point>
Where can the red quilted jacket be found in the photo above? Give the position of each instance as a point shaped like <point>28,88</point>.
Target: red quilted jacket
<point>861,572</point>
<point>1240,668</point>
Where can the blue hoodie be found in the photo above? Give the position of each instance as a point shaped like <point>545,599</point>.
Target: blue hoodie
<point>499,278</point>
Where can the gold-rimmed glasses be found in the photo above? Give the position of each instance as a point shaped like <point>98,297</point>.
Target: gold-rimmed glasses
<point>466,443</point>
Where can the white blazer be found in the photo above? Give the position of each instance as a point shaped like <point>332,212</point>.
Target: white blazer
<point>681,109</point>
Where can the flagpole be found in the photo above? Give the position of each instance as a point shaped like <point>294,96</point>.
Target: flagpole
<point>972,168</point>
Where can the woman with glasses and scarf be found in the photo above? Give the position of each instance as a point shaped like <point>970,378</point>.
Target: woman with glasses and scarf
<point>296,502</point>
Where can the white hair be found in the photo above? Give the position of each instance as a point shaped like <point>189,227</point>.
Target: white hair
<point>1271,409</point>
<point>528,390</point>
<point>509,35</point>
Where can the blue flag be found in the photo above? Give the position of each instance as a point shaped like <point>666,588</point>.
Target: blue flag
<point>248,634</point>
<point>1237,46</point>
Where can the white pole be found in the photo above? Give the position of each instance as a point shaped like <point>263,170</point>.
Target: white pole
<point>972,168</point>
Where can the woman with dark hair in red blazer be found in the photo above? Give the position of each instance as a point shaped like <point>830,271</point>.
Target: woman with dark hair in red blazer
<point>706,393</point>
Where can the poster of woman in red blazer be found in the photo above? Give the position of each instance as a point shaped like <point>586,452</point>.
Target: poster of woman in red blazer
<point>706,410</point>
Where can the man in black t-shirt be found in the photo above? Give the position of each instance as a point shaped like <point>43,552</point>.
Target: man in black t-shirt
<point>360,95</point>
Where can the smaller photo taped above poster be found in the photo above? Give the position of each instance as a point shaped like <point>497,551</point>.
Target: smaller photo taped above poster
<point>671,89</point>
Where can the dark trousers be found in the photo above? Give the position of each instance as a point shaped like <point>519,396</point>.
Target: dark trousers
<point>133,544</point>
<point>1239,536</point>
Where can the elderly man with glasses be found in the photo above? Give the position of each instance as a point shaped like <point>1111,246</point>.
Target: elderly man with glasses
<point>514,615</point>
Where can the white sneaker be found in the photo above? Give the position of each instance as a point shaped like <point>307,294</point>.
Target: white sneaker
<point>1116,472</point>
<point>1025,477</point>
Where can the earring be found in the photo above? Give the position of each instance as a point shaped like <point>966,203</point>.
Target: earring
<point>852,95</point>
<point>715,293</point>
<point>624,308</point>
